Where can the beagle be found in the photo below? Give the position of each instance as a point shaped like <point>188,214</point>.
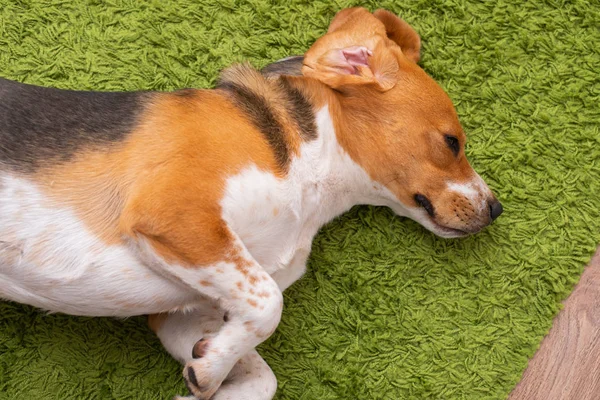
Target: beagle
<point>198,207</point>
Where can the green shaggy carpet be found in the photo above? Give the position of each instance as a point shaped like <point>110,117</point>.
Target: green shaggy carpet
<point>386,310</point>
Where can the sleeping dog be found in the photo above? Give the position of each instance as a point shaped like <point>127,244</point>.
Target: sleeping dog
<point>198,207</point>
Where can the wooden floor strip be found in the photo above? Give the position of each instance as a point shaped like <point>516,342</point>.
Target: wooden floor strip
<point>567,365</point>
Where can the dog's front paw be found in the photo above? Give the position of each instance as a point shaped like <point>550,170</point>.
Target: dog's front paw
<point>203,377</point>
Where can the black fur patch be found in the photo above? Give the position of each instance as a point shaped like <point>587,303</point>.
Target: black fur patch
<point>186,92</point>
<point>288,66</point>
<point>260,113</point>
<point>301,110</point>
<point>40,125</point>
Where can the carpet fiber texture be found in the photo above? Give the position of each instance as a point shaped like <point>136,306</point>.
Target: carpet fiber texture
<point>386,310</point>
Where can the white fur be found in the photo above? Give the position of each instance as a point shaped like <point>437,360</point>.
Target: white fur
<point>277,219</point>
<point>466,189</point>
<point>50,260</point>
<point>476,191</point>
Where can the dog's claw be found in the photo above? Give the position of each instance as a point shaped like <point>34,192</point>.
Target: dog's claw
<point>202,387</point>
<point>199,348</point>
<point>192,376</point>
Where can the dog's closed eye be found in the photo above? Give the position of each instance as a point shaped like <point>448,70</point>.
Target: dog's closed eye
<point>453,144</point>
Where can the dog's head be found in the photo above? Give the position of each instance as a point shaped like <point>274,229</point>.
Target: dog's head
<point>398,123</point>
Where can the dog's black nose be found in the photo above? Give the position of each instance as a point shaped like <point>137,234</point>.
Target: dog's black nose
<point>495,209</point>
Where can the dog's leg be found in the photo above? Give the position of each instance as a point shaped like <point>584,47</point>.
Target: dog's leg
<point>254,304</point>
<point>216,264</point>
<point>250,379</point>
<point>294,271</point>
<point>180,331</point>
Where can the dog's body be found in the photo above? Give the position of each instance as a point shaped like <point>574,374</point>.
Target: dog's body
<point>199,206</point>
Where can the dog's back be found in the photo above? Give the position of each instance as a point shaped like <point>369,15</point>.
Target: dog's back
<point>40,126</point>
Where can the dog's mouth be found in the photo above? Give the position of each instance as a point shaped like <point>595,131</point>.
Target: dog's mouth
<point>429,222</point>
<point>449,232</point>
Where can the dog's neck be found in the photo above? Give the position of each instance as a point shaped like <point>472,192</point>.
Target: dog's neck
<point>326,165</point>
<point>356,116</point>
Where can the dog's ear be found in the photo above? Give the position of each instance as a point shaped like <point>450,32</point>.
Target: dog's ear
<point>401,33</point>
<point>342,16</point>
<point>354,52</point>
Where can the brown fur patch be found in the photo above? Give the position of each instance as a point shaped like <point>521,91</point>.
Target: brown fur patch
<point>401,33</point>
<point>253,279</point>
<point>252,302</point>
<point>279,110</point>
<point>249,326</point>
<point>156,321</point>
